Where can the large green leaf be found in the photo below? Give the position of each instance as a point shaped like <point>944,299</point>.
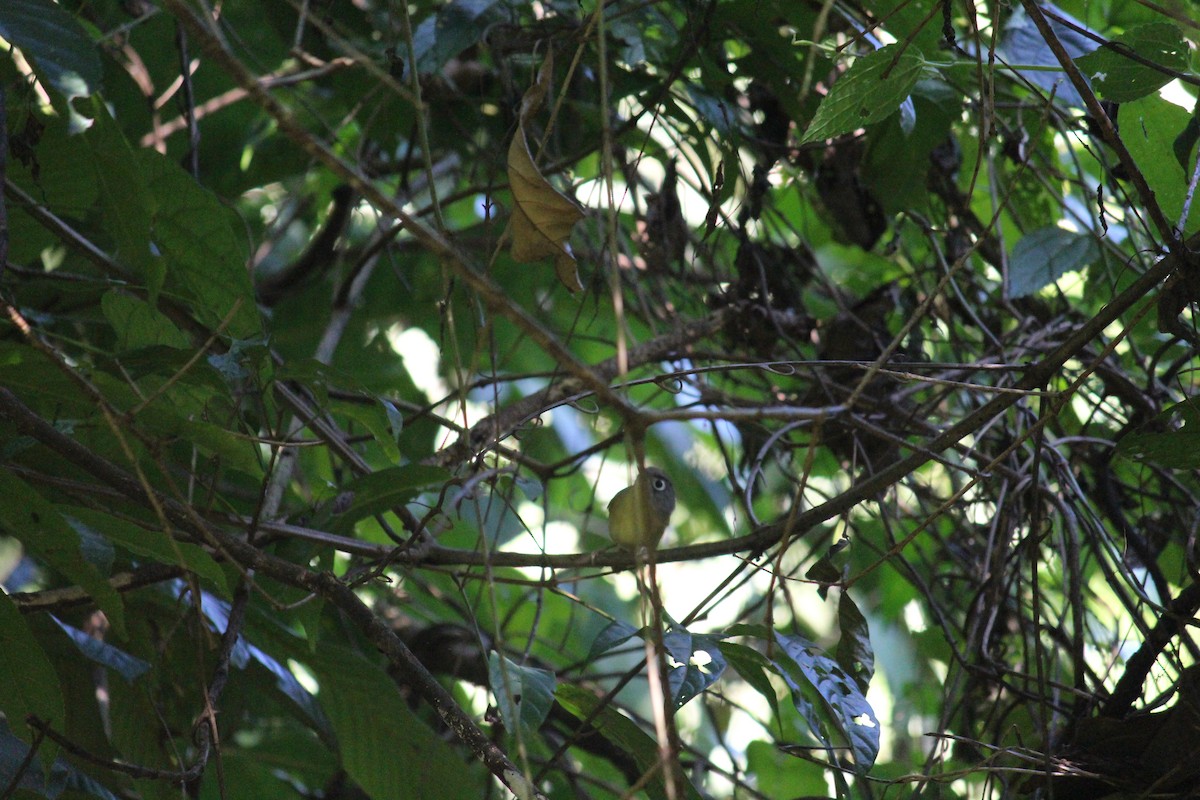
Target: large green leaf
<point>1150,128</point>
<point>386,748</point>
<point>1174,449</point>
<point>1117,76</point>
<point>698,663</point>
<point>151,544</point>
<point>125,199</point>
<point>803,665</point>
<point>386,489</point>
<point>30,684</point>
<point>1045,255</point>
<point>871,90</point>
<point>49,537</point>
<point>205,246</point>
<point>60,50</point>
<point>524,694</point>
<point>622,732</point>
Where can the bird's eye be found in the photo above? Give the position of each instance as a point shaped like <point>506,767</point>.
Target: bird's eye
<point>659,484</point>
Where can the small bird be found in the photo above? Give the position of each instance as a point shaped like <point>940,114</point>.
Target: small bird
<point>639,514</point>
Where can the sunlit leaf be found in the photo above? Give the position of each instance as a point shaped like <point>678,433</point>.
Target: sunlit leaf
<point>1117,76</point>
<point>871,90</point>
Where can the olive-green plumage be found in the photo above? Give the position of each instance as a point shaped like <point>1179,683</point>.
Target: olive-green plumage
<point>638,515</point>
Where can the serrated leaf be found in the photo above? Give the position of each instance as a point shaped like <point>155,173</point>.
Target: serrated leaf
<point>48,536</point>
<point>542,217</point>
<point>62,53</point>
<point>1117,77</point>
<point>524,694</point>
<point>621,732</point>
<point>802,665</point>
<point>1045,255</point>
<point>871,90</point>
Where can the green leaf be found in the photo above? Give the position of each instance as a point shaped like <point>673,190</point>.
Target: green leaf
<point>779,774</point>
<point>62,53</point>
<point>615,634</point>
<point>1045,255</point>
<point>166,420</point>
<point>51,539</point>
<point>386,489</point>
<point>205,247</point>
<point>455,27</point>
<point>524,694</point>
<point>622,732</point>
<point>870,91</point>
<point>699,663</point>
<point>802,664</point>
<point>151,544</point>
<point>752,666</point>
<point>1150,128</point>
<point>30,684</point>
<point>139,324</point>
<point>382,419</point>
<point>125,199</point>
<point>1117,77</point>
<point>1177,449</point>
<point>385,748</point>
<point>854,651</point>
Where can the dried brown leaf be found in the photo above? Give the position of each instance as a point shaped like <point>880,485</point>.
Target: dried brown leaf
<point>542,217</point>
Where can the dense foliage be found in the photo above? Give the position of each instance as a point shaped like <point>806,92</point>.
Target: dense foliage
<point>330,329</point>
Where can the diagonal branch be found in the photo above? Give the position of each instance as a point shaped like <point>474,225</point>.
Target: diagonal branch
<point>325,584</point>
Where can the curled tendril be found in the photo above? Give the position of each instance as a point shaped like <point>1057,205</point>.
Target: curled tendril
<point>669,383</point>
<point>585,405</point>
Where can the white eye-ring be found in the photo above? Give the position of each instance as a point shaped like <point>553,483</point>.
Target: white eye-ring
<point>659,484</point>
